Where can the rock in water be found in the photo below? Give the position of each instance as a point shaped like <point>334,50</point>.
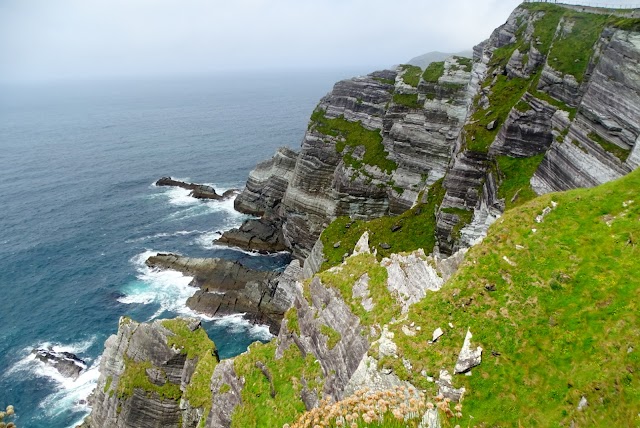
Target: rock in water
<point>198,191</point>
<point>66,363</point>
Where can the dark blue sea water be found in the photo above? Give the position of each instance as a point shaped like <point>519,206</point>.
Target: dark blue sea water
<point>79,214</point>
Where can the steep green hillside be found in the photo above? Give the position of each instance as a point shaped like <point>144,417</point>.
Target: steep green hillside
<point>555,306</point>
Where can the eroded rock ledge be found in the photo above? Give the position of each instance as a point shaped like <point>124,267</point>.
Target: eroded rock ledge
<point>198,191</point>
<point>227,287</point>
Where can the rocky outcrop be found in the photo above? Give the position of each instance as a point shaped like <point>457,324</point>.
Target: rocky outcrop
<point>267,183</point>
<point>263,235</point>
<point>226,287</point>
<point>143,378</point>
<point>609,112</point>
<point>66,363</point>
<point>198,191</point>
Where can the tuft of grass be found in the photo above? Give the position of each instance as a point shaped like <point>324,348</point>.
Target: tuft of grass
<point>515,174</point>
<point>107,384</point>
<point>614,149</point>
<point>433,72</point>
<point>411,75</point>
<point>353,134</point>
<point>408,100</point>
<point>385,81</point>
<point>333,337</point>
<point>292,320</point>
<point>466,63</point>
<point>417,231</point>
<point>557,312</point>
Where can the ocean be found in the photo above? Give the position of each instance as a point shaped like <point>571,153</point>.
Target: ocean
<point>80,213</point>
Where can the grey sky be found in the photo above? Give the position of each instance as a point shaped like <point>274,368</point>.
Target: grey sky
<point>52,39</point>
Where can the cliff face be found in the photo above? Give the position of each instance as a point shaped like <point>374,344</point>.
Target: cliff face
<point>146,373</point>
<point>550,102</point>
<point>551,81</point>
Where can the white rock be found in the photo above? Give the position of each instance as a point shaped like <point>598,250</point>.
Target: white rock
<point>468,358</point>
<point>436,334</point>
<point>362,246</point>
<point>583,403</point>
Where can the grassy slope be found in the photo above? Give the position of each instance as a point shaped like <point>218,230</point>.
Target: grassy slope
<point>562,317</point>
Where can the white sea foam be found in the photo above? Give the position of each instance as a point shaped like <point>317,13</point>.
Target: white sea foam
<point>69,394</point>
<point>169,289</point>
<point>237,324</point>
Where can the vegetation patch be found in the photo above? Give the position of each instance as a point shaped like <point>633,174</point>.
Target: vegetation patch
<point>571,52</point>
<point>417,230</point>
<point>195,344</point>
<point>466,63</point>
<point>135,377</point>
<point>411,75</point>
<point>352,135</point>
<point>557,312</point>
<point>515,174</point>
<point>433,72</point>
<point>385,81</point>
<point>505,93</point>
<point>333,337</point>
<point>292,320</point>
<point>614,149</point>
<point>386,307</point>
<point>107,384</point>
<point>259,408</point>
<point>407,100</point>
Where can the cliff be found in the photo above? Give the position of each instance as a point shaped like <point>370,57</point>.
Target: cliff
<point>440,264</point>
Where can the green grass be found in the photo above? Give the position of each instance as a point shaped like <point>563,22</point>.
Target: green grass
<point>433,72</point>
<point>556,103</point>
<point>353,134</point>
<point>411,75</point>
<point>614,149</point>
<point>135,377</point>
<point>107,384</point>
<point>195,344</point>
<point>418,231</point>
<point>515,174</point>
<point>385,306</point>
<point>333,337</point>
<point>559,323</point>
<point>292,320</point>
<point>504,95</point>
<point>466,63</point>
<point>258,408</point>
<point>571,53</point>
<point>408,100</point>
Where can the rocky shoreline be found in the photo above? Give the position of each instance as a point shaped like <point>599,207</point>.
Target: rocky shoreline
<point>198,191</point>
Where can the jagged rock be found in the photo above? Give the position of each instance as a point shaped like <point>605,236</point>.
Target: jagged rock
<point>410,276</point>
<point>446,389</point>
<point>224,402</point>
<point>368,376</point>
<point>141,343</point>
<point>66,363</point>
<point>267,183</point>
<point>199,191</point>
<point>491,126</point>
<point>583,403</point>
<point>468,358</point>
<point>262,235</point>
<point>360,291</point>
<point>227,287</point>
<point>362,246</point>
<point>431,419</point>
<point>437,333</point>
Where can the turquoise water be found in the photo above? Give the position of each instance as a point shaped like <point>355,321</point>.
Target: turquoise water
<point>79,212</point>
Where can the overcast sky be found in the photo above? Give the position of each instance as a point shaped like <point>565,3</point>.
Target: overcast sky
<point>59,39</point>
